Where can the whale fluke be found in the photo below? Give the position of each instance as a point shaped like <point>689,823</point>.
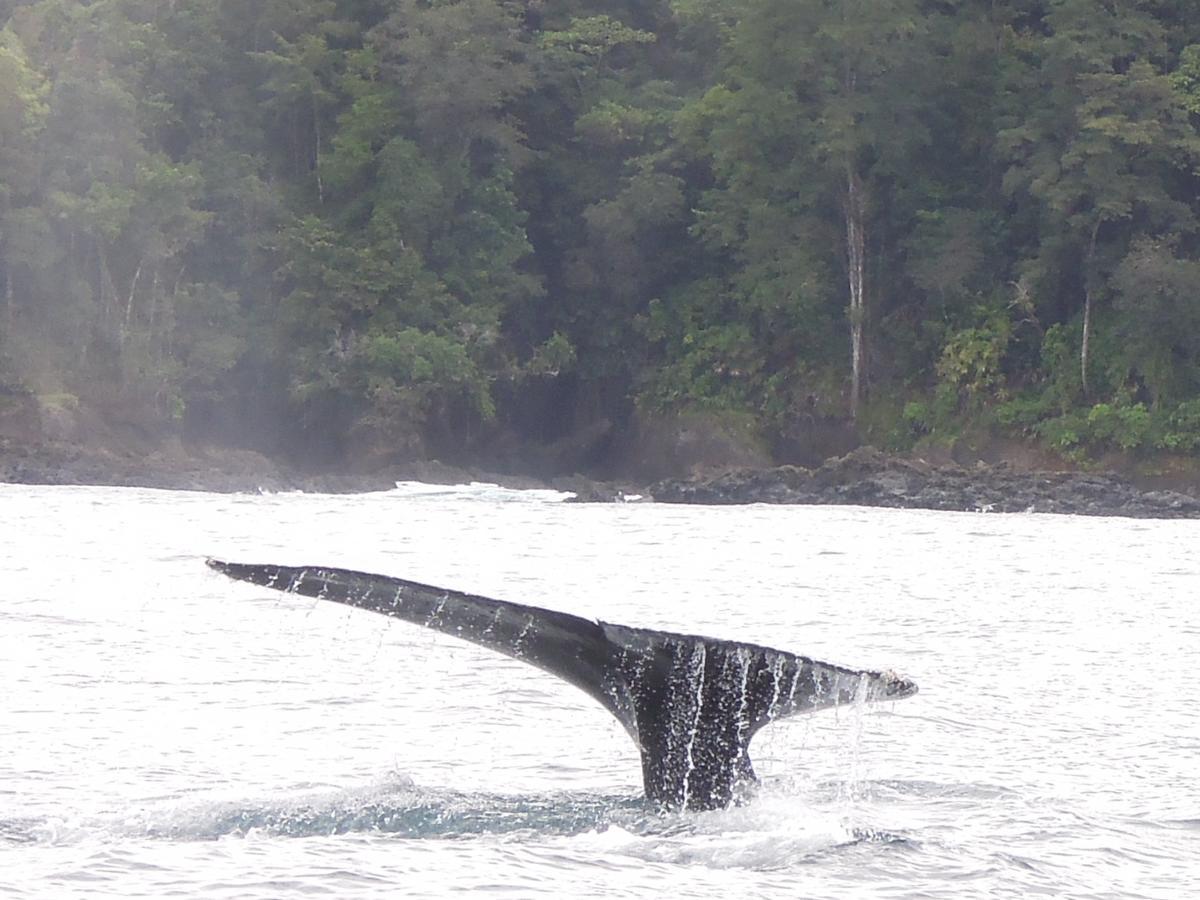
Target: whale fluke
<point>690,703</point>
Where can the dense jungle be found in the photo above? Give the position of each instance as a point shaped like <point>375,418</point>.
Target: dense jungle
<point>353,232</point>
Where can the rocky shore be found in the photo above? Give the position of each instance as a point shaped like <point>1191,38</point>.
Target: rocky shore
<point>863,477</point>
<point>225,470</point>
<point>867,477</point>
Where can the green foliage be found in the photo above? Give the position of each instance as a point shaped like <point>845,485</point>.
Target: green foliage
<point>614,125</point>
<point>1180,431</point>
<point>1103,427</point>
<point>971,361</point>
<point>704,361</point>
<point>211,337</point>
<point>1126,427</point>
<point>938,417</point>
<point>416,366</point>
<point>458,66</point>
<point>1130,428</point>
<point>23,112</point>
<point>1186,78</point>
<point>1065,434</point>
<point>716,367</point>
<point>1062,385</point>
<point>1155,299</point>
<point>1023,413</point>
<point>554,357</point>
<point>368,215</point>
<point>587,39</point>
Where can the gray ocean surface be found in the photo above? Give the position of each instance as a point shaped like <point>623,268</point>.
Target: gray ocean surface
<point>165,732</point>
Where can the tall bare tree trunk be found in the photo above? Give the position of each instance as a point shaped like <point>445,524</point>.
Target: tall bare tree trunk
<point>108,288</point>
<point>129,304</point>
<point>152,317</point>
<point>856,242</point>
<point>10,307</point>
<point>1087,334</point>
<point>317,153</point>
<point>100,270</point>
<point>1085,344</point>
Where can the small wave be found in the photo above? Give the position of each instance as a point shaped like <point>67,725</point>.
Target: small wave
<point>20,831</point>
<point>773,832</point>
<point>1188,824</point>
<point>404,810</point>
<point>477,490</point>
<point>48,830</point>
<point>936,789</point>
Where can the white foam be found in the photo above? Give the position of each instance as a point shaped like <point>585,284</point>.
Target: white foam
<point>773,832</point>
<point>477,490</point>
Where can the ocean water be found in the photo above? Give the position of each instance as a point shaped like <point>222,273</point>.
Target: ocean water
<point>165,732</point>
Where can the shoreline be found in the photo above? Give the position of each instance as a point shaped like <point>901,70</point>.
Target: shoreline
<point>868,477</point>
<point>231,470</point>
<point>863,477</point>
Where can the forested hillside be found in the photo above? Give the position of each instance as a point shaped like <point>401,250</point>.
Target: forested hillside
<point>404,227</point>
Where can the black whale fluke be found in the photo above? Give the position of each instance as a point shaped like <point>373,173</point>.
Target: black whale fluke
<point>691,704</point>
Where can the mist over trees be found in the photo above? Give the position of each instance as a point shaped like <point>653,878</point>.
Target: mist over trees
<point>412,225</point>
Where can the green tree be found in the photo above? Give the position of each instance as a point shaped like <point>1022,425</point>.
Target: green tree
<point>22,118</point>
<point>818,115</point>
<point>1100,158</point>
<point>459,65</point>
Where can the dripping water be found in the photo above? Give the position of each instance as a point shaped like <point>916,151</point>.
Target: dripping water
<point>696,673</point>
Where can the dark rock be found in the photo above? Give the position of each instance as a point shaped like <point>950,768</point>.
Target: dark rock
<point>863,477</point>
<point>867,477</point>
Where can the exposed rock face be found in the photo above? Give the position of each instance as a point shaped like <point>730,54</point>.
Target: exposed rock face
<point>867,477</point>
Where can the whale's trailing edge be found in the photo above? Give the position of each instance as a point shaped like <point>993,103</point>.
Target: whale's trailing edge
<point>691,704</point>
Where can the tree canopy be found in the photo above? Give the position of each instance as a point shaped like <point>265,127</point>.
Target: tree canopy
<point>398,227</point>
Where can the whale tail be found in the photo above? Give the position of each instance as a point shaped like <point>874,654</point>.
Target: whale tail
<point>690,703</point>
